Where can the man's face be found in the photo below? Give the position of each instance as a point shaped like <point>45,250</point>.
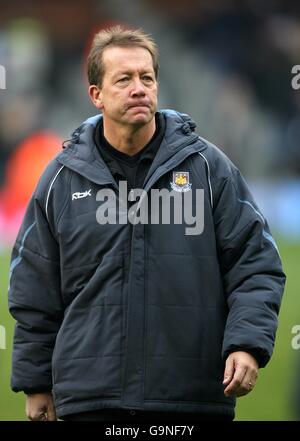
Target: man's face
<point>129,89</point>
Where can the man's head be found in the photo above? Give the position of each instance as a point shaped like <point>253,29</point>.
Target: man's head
<point>117,36</point>
<point>123,69</point>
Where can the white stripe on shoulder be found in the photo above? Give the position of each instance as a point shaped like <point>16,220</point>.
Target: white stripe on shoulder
<point>208,177</point>
<point>50,188</point>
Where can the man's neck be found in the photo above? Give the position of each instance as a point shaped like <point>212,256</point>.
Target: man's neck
<point>128,139</point>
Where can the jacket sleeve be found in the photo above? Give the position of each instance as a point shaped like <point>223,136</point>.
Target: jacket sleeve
<point>34,301</point>
<point>253,278</point>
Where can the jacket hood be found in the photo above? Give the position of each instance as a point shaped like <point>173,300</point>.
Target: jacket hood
<point>81,154</point>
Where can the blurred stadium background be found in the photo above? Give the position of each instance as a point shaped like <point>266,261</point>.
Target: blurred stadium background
<point>227,63</point>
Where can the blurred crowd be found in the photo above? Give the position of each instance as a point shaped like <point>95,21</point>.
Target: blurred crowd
<point>226,62</point>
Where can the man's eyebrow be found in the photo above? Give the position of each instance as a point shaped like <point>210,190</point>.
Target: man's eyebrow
<point>123,72</point>
<point>129,72</point>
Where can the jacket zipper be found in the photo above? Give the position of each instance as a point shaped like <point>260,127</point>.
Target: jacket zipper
<point>129,300</point>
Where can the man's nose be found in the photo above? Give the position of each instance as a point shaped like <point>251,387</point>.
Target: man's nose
<point>138,88</point>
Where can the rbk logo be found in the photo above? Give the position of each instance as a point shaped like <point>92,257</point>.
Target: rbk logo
<point>79,195</point>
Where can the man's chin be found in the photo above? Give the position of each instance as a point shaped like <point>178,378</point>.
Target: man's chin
<point>141,119</point>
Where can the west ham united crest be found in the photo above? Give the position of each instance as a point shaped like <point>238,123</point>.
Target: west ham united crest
<point>181,181</point>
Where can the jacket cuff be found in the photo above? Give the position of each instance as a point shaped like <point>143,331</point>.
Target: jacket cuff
<point>260,356</point>
<point>36,391</point>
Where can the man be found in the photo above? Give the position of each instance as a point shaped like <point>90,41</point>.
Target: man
<point>121,317</point>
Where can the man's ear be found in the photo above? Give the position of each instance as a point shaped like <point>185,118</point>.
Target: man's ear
<point>95,94</point>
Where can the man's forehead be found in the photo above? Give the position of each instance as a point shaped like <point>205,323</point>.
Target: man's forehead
<point>122,56</point>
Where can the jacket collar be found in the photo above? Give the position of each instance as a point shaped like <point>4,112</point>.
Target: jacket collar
<point>81,154</point>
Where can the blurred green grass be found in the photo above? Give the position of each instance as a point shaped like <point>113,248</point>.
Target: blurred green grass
<point>272,397</point>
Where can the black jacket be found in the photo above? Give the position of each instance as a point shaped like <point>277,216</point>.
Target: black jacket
<point>140,316</point>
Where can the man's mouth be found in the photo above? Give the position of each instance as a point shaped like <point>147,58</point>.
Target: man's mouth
<point>138,105</point>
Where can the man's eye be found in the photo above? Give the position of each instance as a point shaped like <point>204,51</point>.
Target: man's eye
<point>147,78</point>
<point>123,79</point>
